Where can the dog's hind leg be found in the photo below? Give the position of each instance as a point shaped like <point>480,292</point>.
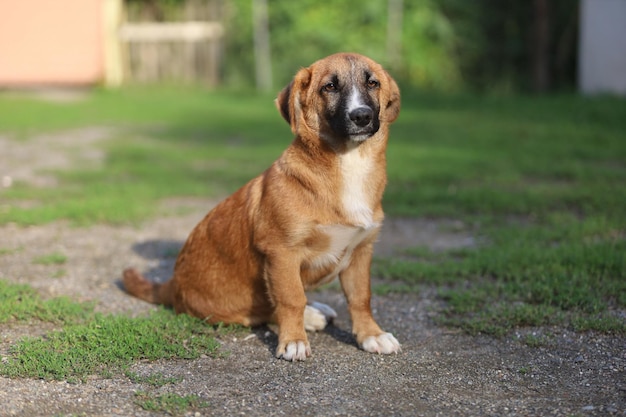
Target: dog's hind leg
<point>317,316</point>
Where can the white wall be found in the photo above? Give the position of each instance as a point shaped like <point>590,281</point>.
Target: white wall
<point>602,54</point>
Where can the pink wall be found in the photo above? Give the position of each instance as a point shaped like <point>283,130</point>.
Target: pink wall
<point>51,42</point>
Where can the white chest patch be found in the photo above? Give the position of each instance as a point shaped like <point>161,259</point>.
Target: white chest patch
<point>355,170</point>
<point>343,241</point>
<point>355,200</point>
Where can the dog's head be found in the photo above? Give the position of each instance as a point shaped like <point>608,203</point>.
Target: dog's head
<point>341,98</point>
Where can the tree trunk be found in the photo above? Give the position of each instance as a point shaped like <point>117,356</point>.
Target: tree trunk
<point>263,63</point>
<point>540,46</point>
<point>394,34</point>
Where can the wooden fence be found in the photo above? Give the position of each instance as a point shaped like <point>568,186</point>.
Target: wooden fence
<point>188,50</point>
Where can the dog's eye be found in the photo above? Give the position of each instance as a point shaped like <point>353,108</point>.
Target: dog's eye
<point>372,84</point>
<point>330,87</point>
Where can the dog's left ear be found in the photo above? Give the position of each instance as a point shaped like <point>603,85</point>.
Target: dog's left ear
<point>288,100</point>
<point>282,102</point>
<point>392,110</point>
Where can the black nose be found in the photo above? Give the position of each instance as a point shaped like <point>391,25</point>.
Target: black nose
<point>361,116</point>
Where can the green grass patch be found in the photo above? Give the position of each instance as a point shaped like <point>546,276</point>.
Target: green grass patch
<point>59,273</point>
<point>448,156</point>
<point>108,344</point>
<point>505,156</point>
<point>557,271</point>
<point>156,380</point>
<point>91,343</point>
<point>9,251</point>
<point>602,323</point>
<point>22,303</point>
<point>169,403</point>
<point>51,259</point>
<point>538,340</point>
<point>167,143</point>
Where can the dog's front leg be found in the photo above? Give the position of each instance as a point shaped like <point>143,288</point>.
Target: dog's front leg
<point>287,294</point>
<point>355,281</point>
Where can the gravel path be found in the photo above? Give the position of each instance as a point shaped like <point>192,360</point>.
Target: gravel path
<point>440,372</point>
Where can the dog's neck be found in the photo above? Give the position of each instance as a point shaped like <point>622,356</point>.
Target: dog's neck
<point>357,202</point>
<point>360,169</point>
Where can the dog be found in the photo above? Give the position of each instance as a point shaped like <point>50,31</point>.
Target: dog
<point>311,217</point>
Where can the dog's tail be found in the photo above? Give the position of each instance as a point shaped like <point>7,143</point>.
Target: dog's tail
<point>152,292</point>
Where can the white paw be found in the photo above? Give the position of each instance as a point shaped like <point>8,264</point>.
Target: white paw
<point>296,351</point>
<point>384,343</point>
<point>317,316</point>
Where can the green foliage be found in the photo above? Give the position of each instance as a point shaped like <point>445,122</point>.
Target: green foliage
<point>494,42</point>
<point>307,30</point>
<point>444,44</point>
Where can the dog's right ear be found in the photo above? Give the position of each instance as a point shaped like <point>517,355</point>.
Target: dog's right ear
<point>289,99</point>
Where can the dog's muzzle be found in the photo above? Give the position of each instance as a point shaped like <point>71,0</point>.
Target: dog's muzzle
<point>361,116</point>
<point>362,123</point>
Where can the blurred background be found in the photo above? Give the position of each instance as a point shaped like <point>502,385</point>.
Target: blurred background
<point>502,46</point>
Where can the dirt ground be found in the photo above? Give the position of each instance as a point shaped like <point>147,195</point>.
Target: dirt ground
<point>440,372</point>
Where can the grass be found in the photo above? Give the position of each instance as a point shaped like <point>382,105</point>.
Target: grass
<point>54,258</point>
<point>539,179</point>
<point>22,303</point>
<point>170,403</point>
<point>8,251</point>
<point>558,271</point>
<point>447,157</point>
<point>156,380</point>
<point>169,143</point>
<point>507,156</point>
<point>91,343</point>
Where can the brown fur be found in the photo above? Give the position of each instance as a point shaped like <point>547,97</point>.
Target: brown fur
<point>252,257</point>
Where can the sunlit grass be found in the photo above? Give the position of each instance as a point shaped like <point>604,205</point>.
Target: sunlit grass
<point>22,303</point>
<point>170,403</point>
<point>453,156</point>
<point>541,179</point>
<point>165,143</point>
<point>91,343</point>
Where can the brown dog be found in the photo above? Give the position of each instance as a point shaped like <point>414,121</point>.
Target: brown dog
<point>311,217</point>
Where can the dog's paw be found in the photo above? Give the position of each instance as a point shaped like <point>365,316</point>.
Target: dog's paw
<point>294,351</point>
<point>384,343</point>
<point>317,316</point>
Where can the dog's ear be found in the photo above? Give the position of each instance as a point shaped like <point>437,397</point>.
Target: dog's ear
<point>282,102</point>
<point>288,101</point>
<point>392,109</point>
